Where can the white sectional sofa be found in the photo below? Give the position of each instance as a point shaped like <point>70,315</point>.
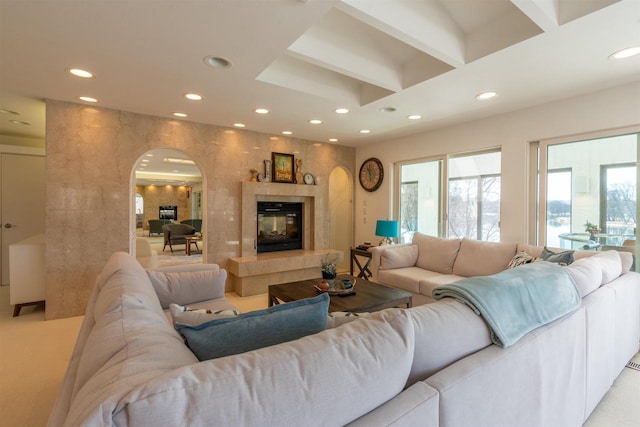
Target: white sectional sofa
<point>431,365</point>
<point>429,262</point>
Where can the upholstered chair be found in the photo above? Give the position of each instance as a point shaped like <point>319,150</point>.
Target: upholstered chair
<point>174,234</point>
<point>196,223</point>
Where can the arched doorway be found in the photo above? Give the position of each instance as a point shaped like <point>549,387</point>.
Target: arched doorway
<point>170,185</point>
<point>341,214</point>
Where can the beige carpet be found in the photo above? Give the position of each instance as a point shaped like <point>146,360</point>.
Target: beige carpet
<point>34,355</point>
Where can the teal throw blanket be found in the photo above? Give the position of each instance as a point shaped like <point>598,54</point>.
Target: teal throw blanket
<point>516,301</point>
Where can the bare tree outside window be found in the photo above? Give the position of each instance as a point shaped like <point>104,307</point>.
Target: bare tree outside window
<point>408,210</point>
<point>474,208</point>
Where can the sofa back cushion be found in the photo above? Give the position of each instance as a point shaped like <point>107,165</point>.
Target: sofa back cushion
<point>187,287</point>
<point>436,254</point>
<point>399,257</point>
<point>326,379</point>
<point>611,264</point>
<point>587,273</point>
<point>479,258</point>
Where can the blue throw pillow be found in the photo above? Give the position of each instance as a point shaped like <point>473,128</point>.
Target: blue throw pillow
<point>256,329</point>
<point>562,258</point>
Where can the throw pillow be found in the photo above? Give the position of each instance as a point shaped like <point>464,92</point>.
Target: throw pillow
<point>399,257</point>
<point>519,259</point>
<point>257,329</point>
<point>562,258</point>
<point>196,316</point>
<point>187,287</point>
<point>339,318</point>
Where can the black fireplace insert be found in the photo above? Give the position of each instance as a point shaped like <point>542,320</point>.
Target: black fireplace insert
<point>279,226</point>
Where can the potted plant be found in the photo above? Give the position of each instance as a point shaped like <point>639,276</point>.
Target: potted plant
<point>329,268</point>
<point>592,229</point>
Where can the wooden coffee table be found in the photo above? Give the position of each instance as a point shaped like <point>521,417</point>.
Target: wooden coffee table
<point>369,296</point>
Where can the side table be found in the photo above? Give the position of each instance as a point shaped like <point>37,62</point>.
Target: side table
<point>364,271</point>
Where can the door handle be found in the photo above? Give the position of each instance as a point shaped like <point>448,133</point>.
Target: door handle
<point>7,225</point>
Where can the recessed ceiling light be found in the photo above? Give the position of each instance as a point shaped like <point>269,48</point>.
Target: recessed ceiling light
<point>18,122</point>
<point>180,114</point>
<point>387,109</point>
<point>80,73</point>
<point>239,125</point>
<point>287,132</point>
<point>333,139</point>
<point>87,99</point>
<point>625,53</point>
<point>6,111</point>
<point>217,61</point>
<point>315,121</point>
<point>365,131</point>
<point>261,111</point>
<point>193,96</point>
<point>273,138</point>
<point>149,155</point>
<point>145,160</point>
<point>342,110</point>
<point>485,95</point>
<point>414,117</point>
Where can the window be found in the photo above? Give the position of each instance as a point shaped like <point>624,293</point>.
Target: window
<point>471,193</point>
<point>558,205</point>
<point>474,197</point>
<point>588,181</point>
<point>419,203</point>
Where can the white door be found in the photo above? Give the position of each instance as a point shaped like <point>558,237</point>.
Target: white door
<point>22,202</point>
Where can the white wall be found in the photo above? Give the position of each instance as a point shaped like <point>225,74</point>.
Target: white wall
<point>609,109</point>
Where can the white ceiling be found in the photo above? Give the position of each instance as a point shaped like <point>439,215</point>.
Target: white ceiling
<point>303,59</point>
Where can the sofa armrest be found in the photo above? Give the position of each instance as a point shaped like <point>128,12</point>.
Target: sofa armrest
<point>376,254</point>
<point>417,405</point>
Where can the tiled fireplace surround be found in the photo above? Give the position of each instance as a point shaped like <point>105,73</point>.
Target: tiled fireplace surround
<point>91,154</point>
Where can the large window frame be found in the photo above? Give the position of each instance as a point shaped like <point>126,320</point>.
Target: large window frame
<point>538,165</point>
<point>443,186</point>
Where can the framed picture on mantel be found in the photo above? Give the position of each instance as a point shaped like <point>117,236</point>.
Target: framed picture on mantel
<point>283,167</point>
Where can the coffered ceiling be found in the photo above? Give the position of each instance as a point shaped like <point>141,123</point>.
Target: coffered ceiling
<point>383,60</point>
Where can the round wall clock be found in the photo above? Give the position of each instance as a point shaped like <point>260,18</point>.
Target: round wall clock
<point>308,178</point>
<point>371,174</point>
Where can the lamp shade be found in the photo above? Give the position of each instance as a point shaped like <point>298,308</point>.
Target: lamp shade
<point>387,228</point>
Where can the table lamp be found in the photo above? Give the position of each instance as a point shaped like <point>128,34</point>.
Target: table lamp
<point>387,228</point>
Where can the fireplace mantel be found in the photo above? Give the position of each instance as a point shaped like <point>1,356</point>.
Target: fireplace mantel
<point>251,273</point>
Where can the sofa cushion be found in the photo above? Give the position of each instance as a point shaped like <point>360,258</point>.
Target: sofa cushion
<point>186,287</point>
<point>436,254</point>
<point>402,256</point>
<point>196,316</point>
<point>407,279</point>
<point>256,329</point>
<point>611,265</point>
<point>327,379</point>
<point>127,347</point>
<point>479,258</point>
<point>427,285</point>
<point>562,257</point>
<point>587,273</point>
<point>445,332</point>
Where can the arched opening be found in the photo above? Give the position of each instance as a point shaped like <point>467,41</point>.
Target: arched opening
<point>167,217</point>
<point>341,214</point>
